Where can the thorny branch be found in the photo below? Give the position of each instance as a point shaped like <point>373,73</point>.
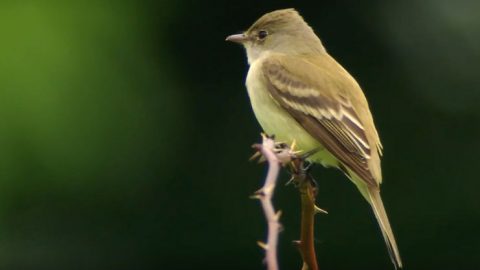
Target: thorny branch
<point>308,191</point>
<point>277,155</point>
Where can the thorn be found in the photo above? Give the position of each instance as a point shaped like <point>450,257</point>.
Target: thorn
<point>296,243</point>
<point>259,193</point>
<point>292,146</point>
<point>290,181</point>
<point>310,153</point>
<point>257,146</point>
<point>255,156</point>
<point>319,210</point>
<point>266,136</point>
<point>262,245</point>
<point>295,153</point>
<point>261,159</point>
<point>307,167</point>
<point>255,197</point>
<point>278,215</point>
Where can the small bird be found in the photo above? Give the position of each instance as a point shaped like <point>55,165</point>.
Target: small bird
<point>299,93</point>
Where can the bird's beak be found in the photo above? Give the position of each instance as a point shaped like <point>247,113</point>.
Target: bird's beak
<point>238,38</point>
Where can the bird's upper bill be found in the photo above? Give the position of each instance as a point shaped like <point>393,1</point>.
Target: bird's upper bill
<point>237,38</point>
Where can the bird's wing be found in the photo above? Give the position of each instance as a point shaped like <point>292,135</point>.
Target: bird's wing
<point>319,102</point>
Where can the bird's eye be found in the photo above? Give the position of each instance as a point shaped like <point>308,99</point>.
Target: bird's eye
<point>262,34</point>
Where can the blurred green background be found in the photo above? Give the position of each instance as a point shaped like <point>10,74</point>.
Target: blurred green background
<point>125,133</point>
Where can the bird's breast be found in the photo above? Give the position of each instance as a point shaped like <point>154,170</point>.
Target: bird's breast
<point>277,121</point>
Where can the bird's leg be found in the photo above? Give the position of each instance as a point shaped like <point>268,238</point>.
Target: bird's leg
<point>299,166</point>
<point>307,166</point>
<point>300,169</point>
<point>310,153</point>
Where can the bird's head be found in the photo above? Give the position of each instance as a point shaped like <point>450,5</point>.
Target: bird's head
<point>282,31</point>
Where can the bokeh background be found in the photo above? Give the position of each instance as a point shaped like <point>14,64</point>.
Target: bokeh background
<point>125,133</point>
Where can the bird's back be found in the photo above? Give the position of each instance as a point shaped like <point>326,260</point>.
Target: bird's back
<point>352,90</point>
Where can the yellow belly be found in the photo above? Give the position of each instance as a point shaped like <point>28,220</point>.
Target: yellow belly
<point>277,121</point>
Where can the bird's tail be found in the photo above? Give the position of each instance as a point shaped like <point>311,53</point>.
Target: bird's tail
<point>379,210</point>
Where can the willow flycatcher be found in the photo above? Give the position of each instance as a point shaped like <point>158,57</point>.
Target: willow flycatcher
<point>300,93</point>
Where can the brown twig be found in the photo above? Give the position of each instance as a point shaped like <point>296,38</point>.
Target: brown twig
<point>307,226</point>
<point>308,191</point>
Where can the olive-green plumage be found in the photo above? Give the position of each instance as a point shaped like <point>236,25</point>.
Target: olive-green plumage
<point>300,93</point>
